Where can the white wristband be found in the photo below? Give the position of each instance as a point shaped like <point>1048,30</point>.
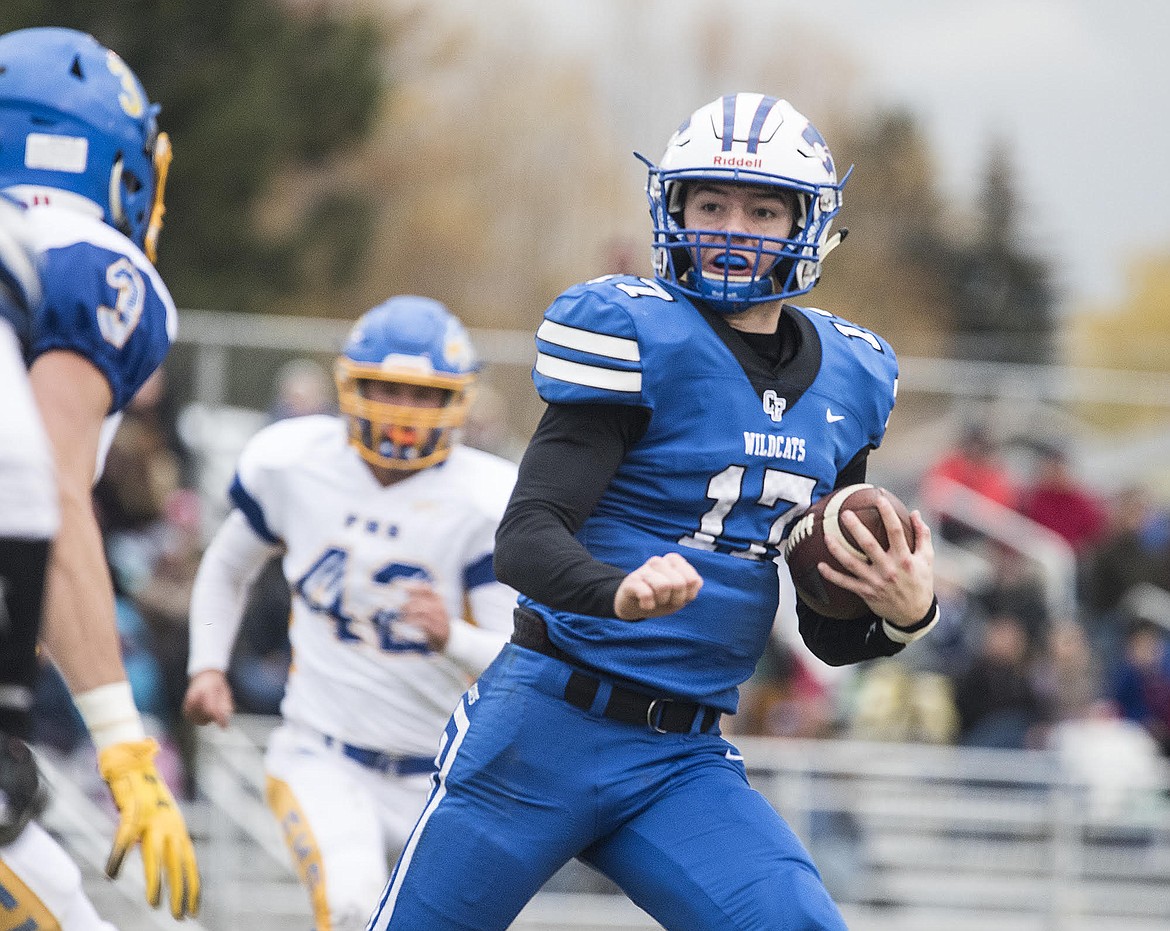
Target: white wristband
<point>900,635</point>
<point>110,715</point>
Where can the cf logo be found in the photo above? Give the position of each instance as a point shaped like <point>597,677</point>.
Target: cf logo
<point>774,405</point>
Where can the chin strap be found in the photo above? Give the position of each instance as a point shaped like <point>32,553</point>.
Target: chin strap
<point>833,242</point>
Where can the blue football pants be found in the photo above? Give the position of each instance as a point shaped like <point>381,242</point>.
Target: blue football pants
<point>527,781</point>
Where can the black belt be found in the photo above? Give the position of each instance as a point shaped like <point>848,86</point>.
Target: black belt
<point>664,715</point>
<point>385,763</point>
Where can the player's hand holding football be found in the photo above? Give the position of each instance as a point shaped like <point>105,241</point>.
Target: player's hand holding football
<point>661,585</point>
<point>896,583</point>
<point>150,818</point>
<point>209,698</point>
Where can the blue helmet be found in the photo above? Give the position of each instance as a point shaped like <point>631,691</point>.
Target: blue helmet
<point>748,139</point>
<point>407,340</point>
<point>74,117</point>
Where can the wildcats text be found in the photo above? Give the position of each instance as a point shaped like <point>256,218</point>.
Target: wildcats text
<point>773,446</point>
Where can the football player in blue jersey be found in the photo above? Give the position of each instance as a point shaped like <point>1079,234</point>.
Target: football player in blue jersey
<point>82,157</point>
<point>691,419</point>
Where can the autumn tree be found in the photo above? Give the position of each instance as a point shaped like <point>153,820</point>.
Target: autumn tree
<point>486,199</point>
<point>1131,338</point>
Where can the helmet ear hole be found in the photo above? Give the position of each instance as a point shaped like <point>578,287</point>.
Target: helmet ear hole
<point>124,186</point>
<point>117,213</point>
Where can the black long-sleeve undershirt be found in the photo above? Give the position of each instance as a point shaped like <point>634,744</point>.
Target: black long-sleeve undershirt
<point>569,463</point>
<point>570,460</point>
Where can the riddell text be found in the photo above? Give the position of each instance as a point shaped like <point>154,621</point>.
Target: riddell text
<point>737,161</point>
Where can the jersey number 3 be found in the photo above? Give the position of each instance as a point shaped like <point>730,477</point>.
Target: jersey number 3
<point>118,322</point>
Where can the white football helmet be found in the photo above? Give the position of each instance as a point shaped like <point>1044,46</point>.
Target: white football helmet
<point>748,139</point>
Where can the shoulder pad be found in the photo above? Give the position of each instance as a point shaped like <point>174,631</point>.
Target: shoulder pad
<point>841,337</point>
<point>486,479</point>
<point>285,442</point>
<point>103,300</point>
<point>257,487</point>
<point>587,347</point>
<point>854,355</point>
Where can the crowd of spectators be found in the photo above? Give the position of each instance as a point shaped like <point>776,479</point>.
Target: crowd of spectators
<point>1006,667</point>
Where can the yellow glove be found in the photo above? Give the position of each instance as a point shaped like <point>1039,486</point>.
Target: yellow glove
<point>150,817</point>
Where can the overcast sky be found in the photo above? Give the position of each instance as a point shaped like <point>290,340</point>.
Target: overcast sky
<point>1077,88</point>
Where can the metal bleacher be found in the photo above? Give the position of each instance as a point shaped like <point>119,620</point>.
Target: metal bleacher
<point>957,838</point>
<point>908,837</point>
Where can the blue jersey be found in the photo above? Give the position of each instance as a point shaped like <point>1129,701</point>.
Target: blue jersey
<point>103,299</point>
<point>733,454</point>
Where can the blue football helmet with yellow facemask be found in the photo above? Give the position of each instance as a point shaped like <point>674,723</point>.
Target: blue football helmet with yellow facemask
<point>74,117</point>
<point>749,139</point>
<point>407,340</point>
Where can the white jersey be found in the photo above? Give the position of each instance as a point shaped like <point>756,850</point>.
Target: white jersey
<point>28,491</point>
<point>40,887</point>
<point>359,675</point>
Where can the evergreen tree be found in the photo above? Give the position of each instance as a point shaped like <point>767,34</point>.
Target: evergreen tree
<point>1004,297</point>
<point>890,273</point>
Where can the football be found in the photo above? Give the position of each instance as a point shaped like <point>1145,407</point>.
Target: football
<point>806,545</point>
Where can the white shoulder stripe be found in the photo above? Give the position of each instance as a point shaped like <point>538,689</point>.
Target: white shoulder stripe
<point>615,347</point>
<point>589,376</point>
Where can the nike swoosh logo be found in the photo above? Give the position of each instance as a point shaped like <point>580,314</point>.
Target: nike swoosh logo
<point>831,417</point>
<point>734,757</point>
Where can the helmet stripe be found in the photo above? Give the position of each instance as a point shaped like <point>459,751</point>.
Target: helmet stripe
<point>762,111</point>
<point>728,121</point>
